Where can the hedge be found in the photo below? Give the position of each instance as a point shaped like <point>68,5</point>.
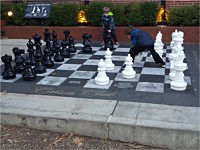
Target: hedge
<point>135,13</point>
<point>184,16</point>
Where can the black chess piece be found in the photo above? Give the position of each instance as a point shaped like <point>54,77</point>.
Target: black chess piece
<point>65,53</point>
<point>31,52</point>
<point>55,40</point>
<point>8,72</point>
<point>48,62</point>
<point>71,47</point>
<point>58,57</point>
<point>109,42</point>
<point>19,61</point>
<point>47,39</point>
<point>39,68</point>
<point>37,44</point>
<point>29,73</point>
<point>67,33</point>
<point>87,43</point>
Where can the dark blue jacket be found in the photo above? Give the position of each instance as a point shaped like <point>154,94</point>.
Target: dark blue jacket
<point>140,38</point>
<point>108,22</point>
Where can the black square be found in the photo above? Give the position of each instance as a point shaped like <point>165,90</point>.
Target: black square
<point>120,85</point>
<point>118,63</point>
<point>88,68</point>
<point>97,57</point>
<point>138,70</point>
<point>151,65</point>
<point>75,61</point>
<point>152,78</point>
<point>189,90</point>
<point>38,78</point>
<point>61,73</point>
<point>120,53</point>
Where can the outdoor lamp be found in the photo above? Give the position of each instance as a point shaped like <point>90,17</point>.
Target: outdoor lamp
<point>10,13</point>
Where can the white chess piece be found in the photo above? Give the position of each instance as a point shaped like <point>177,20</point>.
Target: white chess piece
<point>138,58</point>
<point>108,61</point>
<point>128,71</point>
<point>101,78</point>
<point>178,83</point>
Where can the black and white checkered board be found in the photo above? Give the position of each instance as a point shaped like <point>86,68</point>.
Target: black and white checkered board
<point>81,69</point>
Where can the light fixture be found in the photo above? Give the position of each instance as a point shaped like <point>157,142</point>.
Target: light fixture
<point>82,17</point>
<point>163,14</point>
<point>10,13</point>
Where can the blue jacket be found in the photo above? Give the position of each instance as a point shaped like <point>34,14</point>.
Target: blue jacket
<point>108,22</point>
<point>140,38</point>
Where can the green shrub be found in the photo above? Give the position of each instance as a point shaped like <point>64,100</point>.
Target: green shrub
<point>184,16</point>
<point>95,11</point>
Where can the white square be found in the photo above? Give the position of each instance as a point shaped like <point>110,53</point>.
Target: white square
<point>119,77</point>
<point>82,74</point>
<point>119,49</point>
<point>153,71</point>
<point>48,71</point>
<point>65,59</point>
<point>95,48</point>
<point>68,67</point>
<point>92,62</point>
<point>187,79</point>
<point>118,58</point>
<point>150,87</point>
<point>79,45</point>
<point>81,56</point>
<point>138,64</point>
<point>100,53</point>
<point>18,76</point>
<point>91,84</point>
<point>115,70</point>
<point>49,80</point>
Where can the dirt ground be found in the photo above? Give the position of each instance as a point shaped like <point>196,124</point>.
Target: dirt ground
<point>13,137</point>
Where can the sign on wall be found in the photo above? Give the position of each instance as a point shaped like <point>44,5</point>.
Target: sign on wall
<point>37,11</point>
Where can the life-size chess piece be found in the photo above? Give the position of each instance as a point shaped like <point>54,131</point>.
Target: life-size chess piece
<point>108,61</point>
<point>71,48</point>
<point>101,78</point>
<point>65,52</point>
<point>47,39</point>
<point>40,68</point>
<point>108,42</point>
<point>128,71</point>
<point>8,72</point>
<point>31,52</point>
<point>55,40</point>
<point>58,57</point>
<point>19,61</point>
<point>29,74</point>
<point>67,33</point>
<point>87,43</point>
<point>48,62</point>
<point>178,83</point>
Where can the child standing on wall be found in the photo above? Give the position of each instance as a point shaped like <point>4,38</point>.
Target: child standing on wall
<point>108,25</point>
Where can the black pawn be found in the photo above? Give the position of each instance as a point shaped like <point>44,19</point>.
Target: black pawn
<point>29,74</point>
<point>108,42</point>
<point>48,62</point>
<point>87,43</point>
<point>71,48</point>
<point>58,57</point>
<point>55,40</point>
<point>31,52</point>
<point>39,68</point>
<point>8,71</point>
<point>65,53</point>
<point>19,61</point>
<point>37,44</point>
<point>67,33</point>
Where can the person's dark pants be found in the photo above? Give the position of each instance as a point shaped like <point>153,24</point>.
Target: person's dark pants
<point>136,50</point>
<point>113,35</point>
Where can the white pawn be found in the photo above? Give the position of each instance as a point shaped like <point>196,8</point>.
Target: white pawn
<point>101,78</point>
<point>178,83</point>
<point>128,71</point>
<point>108,61</point>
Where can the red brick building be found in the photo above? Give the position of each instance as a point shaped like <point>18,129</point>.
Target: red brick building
<point>169,3</point>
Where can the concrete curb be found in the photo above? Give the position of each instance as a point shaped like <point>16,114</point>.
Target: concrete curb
<point>159,125</point>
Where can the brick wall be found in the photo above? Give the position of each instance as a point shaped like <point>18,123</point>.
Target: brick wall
<point>191,34</point>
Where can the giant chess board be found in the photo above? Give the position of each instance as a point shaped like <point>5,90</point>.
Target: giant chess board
<point>74,77</point>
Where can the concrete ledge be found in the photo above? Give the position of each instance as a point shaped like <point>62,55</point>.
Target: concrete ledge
<point>159,125</point>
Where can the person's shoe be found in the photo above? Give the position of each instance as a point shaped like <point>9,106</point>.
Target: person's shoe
<point>163,65</point>
<point>123,66</point>
<point>117,44</point>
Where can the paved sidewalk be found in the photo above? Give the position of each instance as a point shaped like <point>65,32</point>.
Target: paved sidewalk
<point>150,124</point>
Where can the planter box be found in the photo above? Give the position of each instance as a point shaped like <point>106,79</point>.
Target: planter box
<point>191,34</point>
